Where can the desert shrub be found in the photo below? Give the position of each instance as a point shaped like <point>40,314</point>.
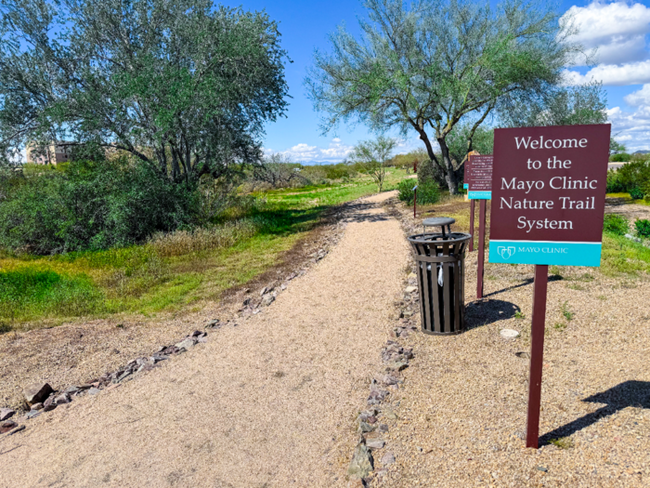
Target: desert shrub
<point>93,205</point>
<point>405,190</point>
<point>636,193</point>
<point>340,171</point>
<point>428,191</point>
<point>620,158</point>
<point>615,224</point>
<point>614,183</point>
<point>642,227</point>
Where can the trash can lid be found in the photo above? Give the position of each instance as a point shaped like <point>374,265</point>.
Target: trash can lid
<point>438,221</point>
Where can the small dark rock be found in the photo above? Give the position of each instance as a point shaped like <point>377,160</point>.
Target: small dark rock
<point>365,427</point>
<point>542,468</point>
<point>6,413</point>
<point>37,393</point>
<point>213,324</point>
<point>377,396</point>
<point>71,390</point>
<point>6,426</point>
<point>16,430</point>
<point>383,428</point>
<point>49,404</point>
<point>62,399</point>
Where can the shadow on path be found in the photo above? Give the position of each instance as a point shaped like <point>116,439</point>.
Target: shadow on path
<point>526,282</point>
<point>628,394</point>
<point>478,314</point>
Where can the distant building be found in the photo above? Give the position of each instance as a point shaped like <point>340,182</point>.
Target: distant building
<point>52,154</point>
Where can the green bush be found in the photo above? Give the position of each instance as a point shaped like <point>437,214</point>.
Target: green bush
<point>428,191</point>
<point>614,183</point>
<point>615,224</point>
<point>405,190</point>
<point>636,193</point>
<point>642,227</point>
<point>93,205</point>
<point>620,158</point>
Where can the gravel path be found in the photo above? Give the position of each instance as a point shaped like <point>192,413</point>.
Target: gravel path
<point>462,408</point>
<point>269,403</point>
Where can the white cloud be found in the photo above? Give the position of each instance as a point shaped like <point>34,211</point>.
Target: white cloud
<point>631,128</point>
<point>640,97</point>
<point>336,151</point>
<point>614,33</point>
<point>612,75</point>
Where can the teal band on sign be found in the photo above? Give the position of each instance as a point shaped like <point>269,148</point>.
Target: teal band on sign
<point>479,195</point>
<point>466,185</point>
<point>546,252</point>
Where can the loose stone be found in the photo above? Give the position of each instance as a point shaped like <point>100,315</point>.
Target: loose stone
<point>6,413</point>
<point>37,393</point>
<point>388,458</point>
<point>16,430</point>
<point>186,344</point>
<point>6,426</point>
<point>509,333</point>
<point>33,414</point>
<point>94,391</point>
<point>410,289</point>
<point>37,406</point>
<point>375,443</point>
<point>361,464</point>
<point>62,399</point>
<point>267,300</point>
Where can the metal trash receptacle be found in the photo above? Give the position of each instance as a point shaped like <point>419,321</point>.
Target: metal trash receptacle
<point>440,265</point>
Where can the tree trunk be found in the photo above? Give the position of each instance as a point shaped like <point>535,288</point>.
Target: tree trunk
<point>450,174</point>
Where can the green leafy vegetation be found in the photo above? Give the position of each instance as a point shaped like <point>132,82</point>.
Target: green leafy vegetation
<point>562,442</point>
<point>427,192</point>
<point>566,312</point>
<point>616,224</point>
<point>642,227</point>
<point>519,315</point>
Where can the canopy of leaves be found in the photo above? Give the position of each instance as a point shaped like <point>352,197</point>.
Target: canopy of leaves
<point>425,65</point>
<point>181,84</point>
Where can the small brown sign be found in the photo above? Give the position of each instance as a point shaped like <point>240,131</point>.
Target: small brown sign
<point>480,177</point>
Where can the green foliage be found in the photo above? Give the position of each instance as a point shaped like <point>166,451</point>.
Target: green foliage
<point>566,312</point>
<point>428,65</point>
<point>622,256</point>
<point>614,183</point>
<point>633,177</point>
<point>562,442</point>
<point>184,85</point>
<point>620,158</point>
<point>93,205</point>
<point>428,192</point>
<point>405,190</point>
<point>636,193</point>
<point>616,224</point>
<point>642,227</point>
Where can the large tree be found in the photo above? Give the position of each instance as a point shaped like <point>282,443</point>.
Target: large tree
<point>427,65</point>
<point>181,84</point>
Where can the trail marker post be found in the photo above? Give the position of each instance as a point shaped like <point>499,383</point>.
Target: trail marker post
<point>547,209</point>
<point>480,188</point>
<point>466,175</point>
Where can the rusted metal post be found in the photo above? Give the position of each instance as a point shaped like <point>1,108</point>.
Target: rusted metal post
<point>415,200</point>
<point>537,355</point>
<point>481,249</point>
<point>471,225</point>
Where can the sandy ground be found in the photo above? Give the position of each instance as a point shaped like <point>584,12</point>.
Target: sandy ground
<point>269,403</point>
<point>462,408</point>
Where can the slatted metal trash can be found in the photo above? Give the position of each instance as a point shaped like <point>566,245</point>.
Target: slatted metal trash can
<point>440,264</point>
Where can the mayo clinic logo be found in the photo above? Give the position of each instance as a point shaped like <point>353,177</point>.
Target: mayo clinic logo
<point>506,252</point>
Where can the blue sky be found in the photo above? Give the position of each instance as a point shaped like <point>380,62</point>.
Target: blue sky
<point>618,30</point>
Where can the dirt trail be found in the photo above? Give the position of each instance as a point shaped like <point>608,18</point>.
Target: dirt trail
<point>269,403</point>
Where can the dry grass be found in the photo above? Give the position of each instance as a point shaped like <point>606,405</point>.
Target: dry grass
<point>185,242</point>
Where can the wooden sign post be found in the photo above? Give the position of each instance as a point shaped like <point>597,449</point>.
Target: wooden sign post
<point>547,209</point>
<point>480,188</point>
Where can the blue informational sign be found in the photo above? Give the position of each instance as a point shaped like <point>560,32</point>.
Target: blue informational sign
<point>479,195</point>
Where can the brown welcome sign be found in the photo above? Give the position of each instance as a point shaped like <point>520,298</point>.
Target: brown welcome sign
<point>548,205</point>
<point>548,195</point>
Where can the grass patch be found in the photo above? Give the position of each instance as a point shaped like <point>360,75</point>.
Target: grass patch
<point>519,315</point>
<point>566,312</point>
<point>171,271</point>
<point>623,256</point>
<point>562,442</point>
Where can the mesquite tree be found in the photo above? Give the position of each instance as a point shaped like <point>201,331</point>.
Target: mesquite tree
<point>372,158</point>
<point>427,65</point>
<point>184,85</point>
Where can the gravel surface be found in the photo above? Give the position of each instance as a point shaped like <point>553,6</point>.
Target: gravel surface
<point>270,402</point>
<point>462,408</point>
